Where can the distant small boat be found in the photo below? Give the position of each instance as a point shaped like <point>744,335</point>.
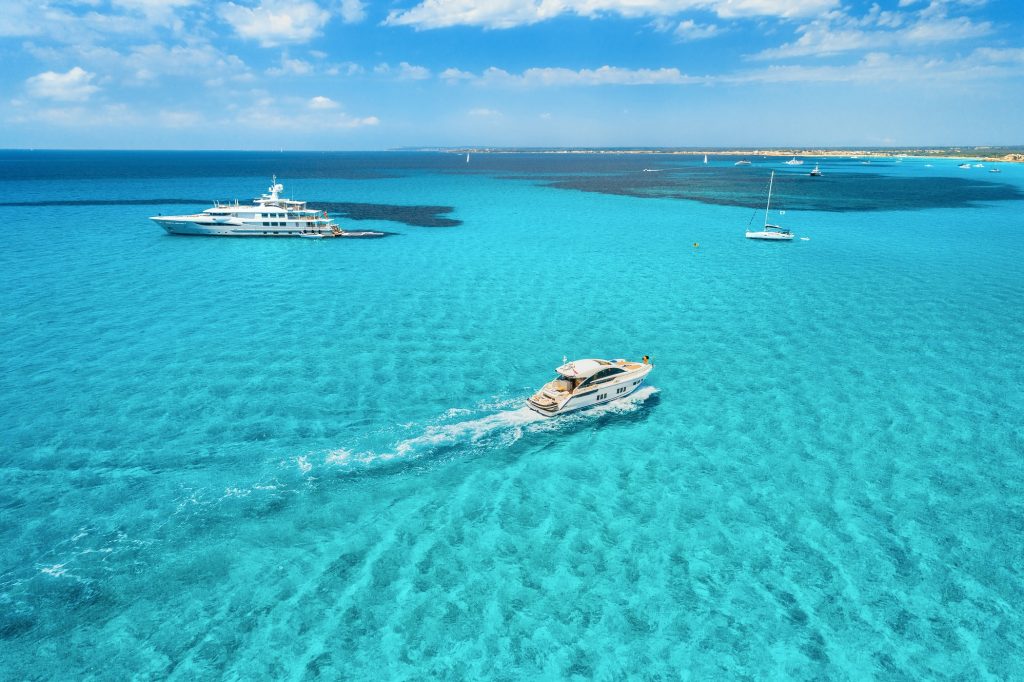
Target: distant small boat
<point>927,165</point>
<point>651,170</point>
<point>795,162</point>
<point>742,162</point>
<point>964,165</point>
<point>979,165</point>
<point>816,172</point>
<point>770,232</point>
<point>994,170</point>
<point>467,157</point>
<point>705,159</point>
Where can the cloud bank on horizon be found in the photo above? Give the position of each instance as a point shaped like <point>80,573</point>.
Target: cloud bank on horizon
<point>345,74</point>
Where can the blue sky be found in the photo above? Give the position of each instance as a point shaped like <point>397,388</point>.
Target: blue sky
<point>347,74</point>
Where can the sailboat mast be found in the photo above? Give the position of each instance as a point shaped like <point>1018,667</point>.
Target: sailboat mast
<point>770,181</point>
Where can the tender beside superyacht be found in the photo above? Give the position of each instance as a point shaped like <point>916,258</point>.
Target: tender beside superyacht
<point>268,216</point>
<point>582,383</point>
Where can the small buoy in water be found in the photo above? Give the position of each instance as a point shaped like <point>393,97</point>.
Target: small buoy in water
<point>695,245</point>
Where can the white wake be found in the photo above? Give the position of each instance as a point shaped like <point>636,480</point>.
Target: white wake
<point>497,430</point>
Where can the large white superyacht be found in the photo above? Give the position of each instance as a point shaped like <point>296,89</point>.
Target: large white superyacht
<point>268,216</point>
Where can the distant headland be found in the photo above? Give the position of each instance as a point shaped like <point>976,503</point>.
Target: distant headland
<point>1009,154</point>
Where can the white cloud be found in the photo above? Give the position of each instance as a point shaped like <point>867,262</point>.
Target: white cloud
<point>562,77</point>
<point>500,14</point>
<point>73,86</point>
<point>288,113</point>
<point>352,11</point>
<point>484,113</point>
<point>877,30</point>
<point>321,102</point>
<point>292,67</point>
<point>151,61</point>
<point>404,71</point>
<point>66,22</point>
<point>689,30</point>
<point>157,12</point>
<point>343,69</point>
<point>454,75</point>
<point>274,23</point>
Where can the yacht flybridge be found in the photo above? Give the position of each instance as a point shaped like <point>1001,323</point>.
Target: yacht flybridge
<point>582,383</point>
<point>268,216</point>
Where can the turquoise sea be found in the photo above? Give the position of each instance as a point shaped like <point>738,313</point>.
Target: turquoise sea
<point>301,459</point>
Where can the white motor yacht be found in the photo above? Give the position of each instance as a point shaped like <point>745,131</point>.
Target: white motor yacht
<point>582,383</point>
<point>795,162</point>
<point>268,216</point>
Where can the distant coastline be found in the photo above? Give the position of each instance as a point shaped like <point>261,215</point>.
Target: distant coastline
<point>1007,154</point>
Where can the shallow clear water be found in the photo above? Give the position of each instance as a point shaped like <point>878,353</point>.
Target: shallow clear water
<point>242,458</point>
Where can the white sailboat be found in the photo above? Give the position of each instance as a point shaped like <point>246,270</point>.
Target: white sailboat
<point>467,157</point>
<point>770,232</point>
<point>705,159</point>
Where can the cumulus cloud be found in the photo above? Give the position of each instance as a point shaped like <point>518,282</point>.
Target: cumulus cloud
<point>454,75</point>
<point>274,23</point>
<point>352,11</point>
<point>321,102</point>
<point>483,112</point>
<point>689,30</point>
<point>73,86</point>
<point>501,14</point>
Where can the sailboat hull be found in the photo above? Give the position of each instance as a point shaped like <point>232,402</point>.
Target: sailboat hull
<point>770,236</point>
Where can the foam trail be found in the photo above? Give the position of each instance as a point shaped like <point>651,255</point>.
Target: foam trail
<point>500,429</point>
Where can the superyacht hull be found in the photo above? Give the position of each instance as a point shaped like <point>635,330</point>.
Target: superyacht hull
<point>191,228</point>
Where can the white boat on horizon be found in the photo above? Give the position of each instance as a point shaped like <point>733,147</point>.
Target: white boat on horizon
<point>964,165</point>
<point>583,383</point>
<point>268,216</point>
<point>816,172</point>
<point>795,162</point>
<point>742,162</point>
<point>770,232</point>
<point>705,159</point>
